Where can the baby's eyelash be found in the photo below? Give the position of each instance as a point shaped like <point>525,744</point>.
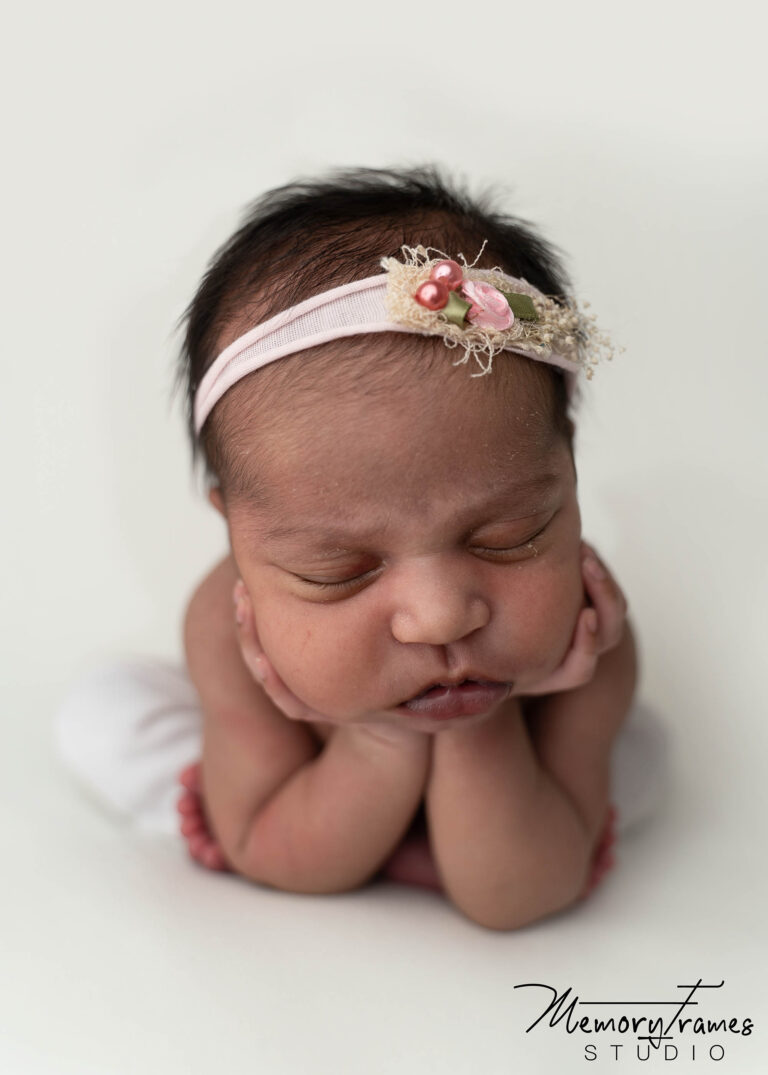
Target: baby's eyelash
<point>528,544</point>
<point>342,584</point>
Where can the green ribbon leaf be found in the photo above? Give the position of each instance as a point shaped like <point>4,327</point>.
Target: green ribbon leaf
<point>521,306</point>
<point>455,309</point>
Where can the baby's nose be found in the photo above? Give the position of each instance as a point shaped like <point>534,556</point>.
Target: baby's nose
<point>437,608</point>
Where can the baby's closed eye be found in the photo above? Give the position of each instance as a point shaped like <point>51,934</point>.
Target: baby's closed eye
<point>509,542</point>
<point>340,582</point>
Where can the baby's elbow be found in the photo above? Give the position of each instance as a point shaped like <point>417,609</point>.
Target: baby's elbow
<point>505,910</point>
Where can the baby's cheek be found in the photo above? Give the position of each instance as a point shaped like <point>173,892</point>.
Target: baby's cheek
<point>320,662</point>
<point>545,615</point>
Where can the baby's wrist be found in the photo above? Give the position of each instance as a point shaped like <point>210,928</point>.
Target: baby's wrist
<point>386,736</point>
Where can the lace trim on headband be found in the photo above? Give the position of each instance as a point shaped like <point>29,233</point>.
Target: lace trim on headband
<point>562,329</point>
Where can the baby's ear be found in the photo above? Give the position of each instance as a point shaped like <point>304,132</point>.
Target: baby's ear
<point>215,497</point>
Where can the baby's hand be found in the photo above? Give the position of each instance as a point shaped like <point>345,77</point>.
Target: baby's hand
<point>286,701</point>
<point>599,627</point>
<point>258,664</point>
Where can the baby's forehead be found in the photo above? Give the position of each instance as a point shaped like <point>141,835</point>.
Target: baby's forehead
<point>378,481</point>
<point>386,408</point>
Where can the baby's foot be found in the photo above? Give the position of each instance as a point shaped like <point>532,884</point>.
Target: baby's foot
<point>202,844</point>
<point>412,864</point>
<point>603,858</point>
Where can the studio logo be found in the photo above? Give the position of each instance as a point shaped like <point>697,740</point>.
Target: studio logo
<point>643,1030</point>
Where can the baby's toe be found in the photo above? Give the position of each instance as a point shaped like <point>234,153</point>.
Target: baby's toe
<point>191,826</point>
<point>197,844</point>
<point>188,805</point>
<point>190,777</point>
<point>213,858</point>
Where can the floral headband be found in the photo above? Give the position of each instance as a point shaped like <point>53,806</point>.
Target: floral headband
<point>482,311</point>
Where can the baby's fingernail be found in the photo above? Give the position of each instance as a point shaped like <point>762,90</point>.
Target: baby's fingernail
<point>240,597</point>
<point>595,568</point>
<point>591,620</point>
<point>259,669</point>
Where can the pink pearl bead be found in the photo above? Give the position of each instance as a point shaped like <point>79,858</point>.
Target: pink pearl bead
<point>433,294</point>
<point>448,273</point>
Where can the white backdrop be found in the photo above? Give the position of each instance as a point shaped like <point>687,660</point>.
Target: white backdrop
<point>635,137</point>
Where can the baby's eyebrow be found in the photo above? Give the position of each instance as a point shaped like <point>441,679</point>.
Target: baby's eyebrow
<point>337,540</point>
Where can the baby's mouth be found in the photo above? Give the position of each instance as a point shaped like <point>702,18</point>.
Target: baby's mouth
<point>458,697</point>
<point>436,688</point>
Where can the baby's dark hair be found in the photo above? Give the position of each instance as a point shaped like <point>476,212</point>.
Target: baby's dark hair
<point>312,235</point>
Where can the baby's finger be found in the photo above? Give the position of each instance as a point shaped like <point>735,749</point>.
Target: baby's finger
<point>607,599</point>
<point>246,632</point>
<point>579,663</point>
<point>257,662</point>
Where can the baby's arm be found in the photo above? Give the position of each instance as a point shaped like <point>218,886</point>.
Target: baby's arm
<point>515,811</point>
<point>286,811</point>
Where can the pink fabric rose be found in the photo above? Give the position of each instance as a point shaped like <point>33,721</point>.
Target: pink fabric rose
<point>489,307</point>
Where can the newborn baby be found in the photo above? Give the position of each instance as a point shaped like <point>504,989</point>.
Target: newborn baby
<point>426,667</point>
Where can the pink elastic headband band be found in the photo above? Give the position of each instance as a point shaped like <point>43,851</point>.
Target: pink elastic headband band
<point>350,310</point>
